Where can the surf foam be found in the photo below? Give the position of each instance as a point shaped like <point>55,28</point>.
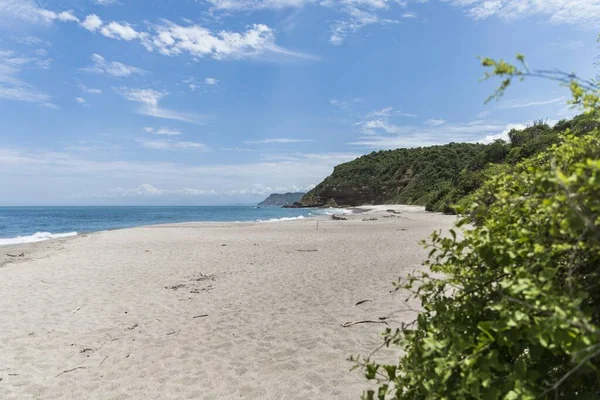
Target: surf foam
<point>36,237</point>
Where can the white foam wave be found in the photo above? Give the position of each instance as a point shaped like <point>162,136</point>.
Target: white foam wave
<point>331,211</point>
<point>281,219</point>
<point>36,237</point>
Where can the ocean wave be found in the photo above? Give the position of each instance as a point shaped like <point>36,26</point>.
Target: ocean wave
<point>331,211</point>
<point>281,219</point>
<point>36,237</point>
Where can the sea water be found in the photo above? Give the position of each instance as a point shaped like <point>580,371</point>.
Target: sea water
<point>34,224</point>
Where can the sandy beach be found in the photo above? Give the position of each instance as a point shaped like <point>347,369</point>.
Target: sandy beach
<point>205,310</point>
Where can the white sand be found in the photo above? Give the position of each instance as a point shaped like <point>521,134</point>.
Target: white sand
<point>273,329</point>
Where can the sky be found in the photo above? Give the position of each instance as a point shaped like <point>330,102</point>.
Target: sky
<point>213,102</point>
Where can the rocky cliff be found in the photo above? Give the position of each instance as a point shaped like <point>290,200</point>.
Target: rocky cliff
<point>277,199</point>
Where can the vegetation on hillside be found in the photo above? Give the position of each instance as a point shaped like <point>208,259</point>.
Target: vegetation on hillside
<point>279,199</point>
<point>437,177</point>
<point>513,311</point>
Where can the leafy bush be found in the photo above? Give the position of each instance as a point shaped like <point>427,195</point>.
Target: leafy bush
<point>517,312</point>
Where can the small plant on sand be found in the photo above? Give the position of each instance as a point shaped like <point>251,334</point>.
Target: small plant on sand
<point>517,314</point>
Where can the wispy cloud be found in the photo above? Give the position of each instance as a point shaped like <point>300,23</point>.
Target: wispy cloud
<point>388,112</point>
<point>12,87</point>
<point>72,171</point>
<point>346,104</point>
<point>49,105</point>
<point>112,68</point>
<point>149,100</point>
<point>88,90</point>
<point>395,136</point>
<point>172,145</point>
<point>581,13</point>
<point>211,81</point>
<point>171,39</point>
<point>162,131</point>
<point>81,100</point>
<point>521,104</point>
<point>278,140</point>
<point>357,14</point>
<point>435,122</point>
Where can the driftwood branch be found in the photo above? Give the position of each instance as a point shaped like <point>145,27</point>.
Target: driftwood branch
<point>69,370</point>
<point>367,321</point>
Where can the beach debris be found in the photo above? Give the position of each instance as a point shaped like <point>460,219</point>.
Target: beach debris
<point>75,310</point>
<point>338,218</point>
<point>223,245</point>
<point>367,321</point>
<point>86,350</point>
<point>147,251</point>
<point>132,327</point>
<point>104,359</point>
<point>392,211</point>
<point>201,277</point>
<point>369,219</point>
<point>362,302</point>
<point>175,287</point>
<point>194,284</point>
<point>15,255</point>
<point>70,370</point>
<point>174,332</point>
<point>201,316</point>
<point>307,250</point>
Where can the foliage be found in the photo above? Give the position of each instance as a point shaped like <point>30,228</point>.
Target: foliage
<point>517,312</point>
<point>438,177</point>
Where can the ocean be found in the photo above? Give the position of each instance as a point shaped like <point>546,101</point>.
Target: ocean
<point>34,224</point>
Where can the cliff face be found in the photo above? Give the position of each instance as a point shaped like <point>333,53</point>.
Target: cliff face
<point>407,176</point>
<point>277,199</point>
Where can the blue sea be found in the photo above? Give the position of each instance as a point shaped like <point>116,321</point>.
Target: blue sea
<point>33,224</point>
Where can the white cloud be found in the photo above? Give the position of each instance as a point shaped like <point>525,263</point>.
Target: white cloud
<point>162,131</point>
<point>172,145</point>
<point>106,2</point>
<point>49,105</point>
<point>28,11</point>
<point>582,13</point>
<point>388,112</point>
<point>148,190</point>
<point>171,39</point>
<point>357,13</point>
<point>278,140</point>
<point>14,88</point>
<point>92,23</point>
<point>435,122</point>
<point>81,100</point>
<point>120,30</point>
<point>112,68</point>
<point>568,45</point>
<point>85,180</point>
<point>88,90</point>
<point>345,104</point>
<point>371,127</point>
<point>211,81</point>
<point>149,105</point>
<point>520,104</point>
<point>415,136</point>
<point>502,135</point>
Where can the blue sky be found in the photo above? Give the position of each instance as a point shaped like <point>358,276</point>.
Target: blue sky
<point>225,101</point>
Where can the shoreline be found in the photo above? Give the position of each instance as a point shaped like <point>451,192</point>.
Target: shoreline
<point>207,310</point>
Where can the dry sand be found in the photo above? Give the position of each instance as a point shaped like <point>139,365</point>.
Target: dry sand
<point>205,311</point>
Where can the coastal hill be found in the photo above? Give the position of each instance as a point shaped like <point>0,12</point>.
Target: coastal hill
<point>277,199</point>
<point>437,177</point>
